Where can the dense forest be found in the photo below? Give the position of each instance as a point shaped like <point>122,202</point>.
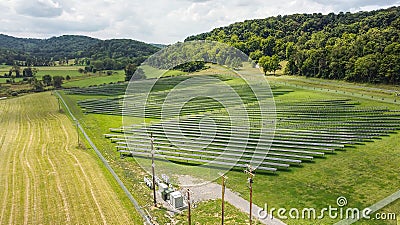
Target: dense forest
<point>361,47</point>
<point>87,51</point>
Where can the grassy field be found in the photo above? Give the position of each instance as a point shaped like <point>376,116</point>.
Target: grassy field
<point>209,213</point>
<point>90,80</point>
<point>386,93</point>
<point>45,178</point>
<point>152,72</point>
<point>4,69</point>
<point>77,79</point>
<point>72,71</point>
<point>4,80</point>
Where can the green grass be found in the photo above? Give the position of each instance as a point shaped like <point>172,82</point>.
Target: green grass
<point>209,213</point>
<point>173,73</point>
<point>63,71</point>
<point>72,71</point>
<point>4,69</point>
<point>152,72</point>
<point>96,80</point>
<point>4,80</point>
<point>77,79</point>
<point>385,93</point>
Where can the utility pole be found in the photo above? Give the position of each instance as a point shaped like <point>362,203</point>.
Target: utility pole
<point>59,104</point>
<point>223,199</point>
<point>249,171</point>
<point>77,130</point>
<point>152,169</point>
<point>188,199</point>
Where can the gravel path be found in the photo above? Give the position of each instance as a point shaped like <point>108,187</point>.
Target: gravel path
<point>213,191</point>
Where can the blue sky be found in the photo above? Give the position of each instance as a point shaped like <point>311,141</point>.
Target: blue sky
<point>155,21</point>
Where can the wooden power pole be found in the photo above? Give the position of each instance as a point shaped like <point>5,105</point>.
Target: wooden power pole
<point>77,131</point>
<point>188,199</point>
<point>59,104</point>
<point>223,198</point>
<point>249,171</point>
<point>153,170</point>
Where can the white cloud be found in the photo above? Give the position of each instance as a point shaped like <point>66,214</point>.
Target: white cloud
<point>158,21</point>
<point>39,8</point>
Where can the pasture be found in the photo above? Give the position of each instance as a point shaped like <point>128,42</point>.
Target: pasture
<point>63,71</point>
<point>95,79</point>
<point>72,71</point>
<point>45,177</point>
<point>352,152</point>
<point>77,79</point>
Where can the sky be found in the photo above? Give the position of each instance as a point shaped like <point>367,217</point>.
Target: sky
<point>153,21</point>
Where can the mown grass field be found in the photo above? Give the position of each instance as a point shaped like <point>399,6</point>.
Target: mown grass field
<point>90,80</point>
<point>45,178</point>
<point>72,71</point>
<point>77,79</point>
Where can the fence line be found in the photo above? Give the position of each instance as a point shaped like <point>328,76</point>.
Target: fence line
<point>121,184</point>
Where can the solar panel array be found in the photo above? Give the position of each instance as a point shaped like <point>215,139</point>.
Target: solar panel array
<point>204,133</point>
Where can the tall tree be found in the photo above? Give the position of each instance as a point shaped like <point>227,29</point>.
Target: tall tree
<point>37,85</point>
<point>47,80</point>
<point>29,72</point>
<point>269,63</point>
<point>57,81</point>
<point>129,71</point>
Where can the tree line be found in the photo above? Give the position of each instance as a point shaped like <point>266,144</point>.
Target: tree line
<point>361,47</point>
<point>191,56</point>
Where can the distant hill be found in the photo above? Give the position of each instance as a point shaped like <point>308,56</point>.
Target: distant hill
<point>45,51</point>
<point>159,45</point>
<point>362,47</point>
<point>118,48</point>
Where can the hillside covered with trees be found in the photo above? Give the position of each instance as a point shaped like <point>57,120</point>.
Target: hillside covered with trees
<point>104,54</point>
<point>361,47</point>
